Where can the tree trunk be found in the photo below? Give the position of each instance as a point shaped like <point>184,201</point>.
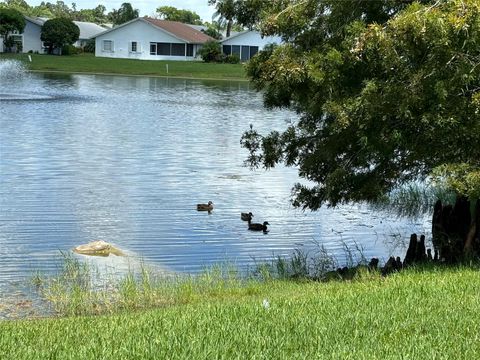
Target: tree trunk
<point>229,27</point>
<point>455,230</point>
<point>472,233</point>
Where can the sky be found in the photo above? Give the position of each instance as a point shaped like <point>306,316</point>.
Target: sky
<point>146,7</point>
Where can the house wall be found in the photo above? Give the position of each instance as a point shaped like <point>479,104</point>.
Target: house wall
<point>143,34</point>
<point>250,38</point>
<point>31,37</point>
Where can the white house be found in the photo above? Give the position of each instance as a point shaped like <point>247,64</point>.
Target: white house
<point>150,39</point>
<point>245,44</point>
<point>88,31</point>
<point>29,40</point>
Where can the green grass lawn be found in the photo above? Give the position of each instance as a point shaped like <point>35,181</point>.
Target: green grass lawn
<point>87,63</point>
<point>430,314</point>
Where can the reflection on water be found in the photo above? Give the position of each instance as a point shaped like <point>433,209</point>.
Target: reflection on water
<point>126,159</point>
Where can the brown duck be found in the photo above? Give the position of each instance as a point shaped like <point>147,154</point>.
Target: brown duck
<point>258,227</point>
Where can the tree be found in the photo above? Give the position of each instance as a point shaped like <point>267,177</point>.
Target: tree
<point>213,33</point>
<point>96,15</point>
<point>173,14</point>
<point>123,14</point>
<point>244,13</point>
<point>10,21</point>
<point>387,93</point>
<point>59,9</point>
<point>57,33</point>
<point>225,12</point>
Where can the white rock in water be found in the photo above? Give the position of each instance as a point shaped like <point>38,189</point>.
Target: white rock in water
<point>98,248</point>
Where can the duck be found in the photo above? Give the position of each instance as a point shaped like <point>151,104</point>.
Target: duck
<point>205,207</point>
<point>246,216</point>
<point>258,227</point>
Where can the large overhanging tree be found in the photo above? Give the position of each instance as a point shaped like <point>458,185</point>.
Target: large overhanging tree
<point>387,93</point>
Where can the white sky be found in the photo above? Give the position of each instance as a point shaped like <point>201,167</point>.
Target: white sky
<point>146,7</point>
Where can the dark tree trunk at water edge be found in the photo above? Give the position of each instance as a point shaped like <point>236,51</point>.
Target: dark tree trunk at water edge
<point>455,230</point>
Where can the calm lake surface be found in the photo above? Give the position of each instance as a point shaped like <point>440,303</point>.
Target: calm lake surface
<point>126,159</point>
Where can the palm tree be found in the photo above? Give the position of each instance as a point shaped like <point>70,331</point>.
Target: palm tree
<point>225,13</point>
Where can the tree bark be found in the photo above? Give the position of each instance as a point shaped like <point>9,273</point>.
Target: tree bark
<point>472,233</point>
<point>455,230</point>
<point>229,27</point>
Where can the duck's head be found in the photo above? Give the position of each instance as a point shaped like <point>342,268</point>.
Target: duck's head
<point>266,223</point>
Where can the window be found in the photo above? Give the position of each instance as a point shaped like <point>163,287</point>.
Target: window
<point>153,48</point>
<point>169,49</point>
<point>253,51</point>
<point>236,50</point>
<point>189,49</point>
<point>133,46</point>
<point>163,49</point>
<point>178,49</point>
<point>227,49</point>
<point>107,45</point>
<point>245,53</point>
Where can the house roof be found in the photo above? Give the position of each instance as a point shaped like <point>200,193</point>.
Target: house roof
<point>88,29</point>
<point>234,35</point>
<point>180,30</point>
<point>36,20</point>
<point>177,29</point>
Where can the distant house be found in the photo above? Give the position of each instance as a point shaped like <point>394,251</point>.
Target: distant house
<point>150,39</point>
<point>29,40</point>
<point>88,31</point>
<point>245,44</point>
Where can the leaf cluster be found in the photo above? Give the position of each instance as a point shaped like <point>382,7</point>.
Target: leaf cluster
<point>10,20</point>
<point>59,32</point>
<point>386,92</point>
<point>171,13</point>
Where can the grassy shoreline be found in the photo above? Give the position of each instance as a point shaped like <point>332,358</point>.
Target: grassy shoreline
<point>418,313</point>
<point>89,64</point>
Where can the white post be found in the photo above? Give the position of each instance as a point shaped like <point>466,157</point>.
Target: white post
<point>30,58</point>
<point>167,68</point>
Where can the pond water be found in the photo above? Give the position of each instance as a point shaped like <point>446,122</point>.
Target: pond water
<point>126,160</point>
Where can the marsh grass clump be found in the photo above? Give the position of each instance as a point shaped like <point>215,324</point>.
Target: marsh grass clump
<point>78,288</point>
<point>414,199</point>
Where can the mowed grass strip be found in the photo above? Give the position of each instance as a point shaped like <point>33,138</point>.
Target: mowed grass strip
<point>87,63</point>
<point>411,315</point>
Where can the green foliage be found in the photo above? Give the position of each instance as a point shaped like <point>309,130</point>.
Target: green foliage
<point>11,20</point>
<point>90,46</point>
<point>232,59</point>
<point>386,93</point>
<point>212,32</point>
<point>242,13</point>
<point>171,13</point>
<point>70,50</point>
<point>211,51</point>
<point>58,9</point>
<point>57,33</point>
<point>124,14</point>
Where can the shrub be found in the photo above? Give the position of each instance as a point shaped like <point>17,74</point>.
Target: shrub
<point>90,46</point>
<point>232,59</point>
<point>211,51</point>
<point>70,50</point>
